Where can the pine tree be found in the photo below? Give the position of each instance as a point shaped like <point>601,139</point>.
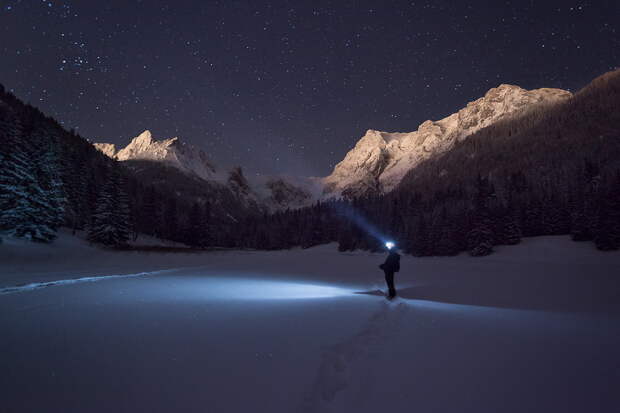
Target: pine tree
<point>480,236</point>
<point>171,219</point>
<point>75,182</point>
<point>531,217</point>
<point>552,217</point>
<point>31,196</point>
<point>17,181</point>
<point>52,209</point>
<point>584,223</point>
<point>191,233</point>
<point>197,228</point>
<point>110,222</point>
<point>345,237</point>
<point>147,217</point>
<point>308,231</point>
<point>206,226</point>
<point>584,219</point>
<point>511,228</point>
<point>420,239</point>
<point>607,236</point>
<point>447,243</point>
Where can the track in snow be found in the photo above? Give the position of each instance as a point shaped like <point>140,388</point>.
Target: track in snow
<point>338,362</point>
<point>38,285</point>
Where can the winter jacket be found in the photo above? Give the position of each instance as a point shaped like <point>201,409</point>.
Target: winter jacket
<point>392,262</point>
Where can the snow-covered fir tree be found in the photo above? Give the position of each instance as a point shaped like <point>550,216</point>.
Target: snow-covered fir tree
<point>197,228</point>
<point>607,237</point>
<point>47,170</point>
<point>480,236</point>
<point>31,194</point>
<point>110,223</point>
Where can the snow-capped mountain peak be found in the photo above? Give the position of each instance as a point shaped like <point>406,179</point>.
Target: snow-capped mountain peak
<point>380,160</point>
<point>270,194</point>
<point>173,151</point>
<point>108,149</point>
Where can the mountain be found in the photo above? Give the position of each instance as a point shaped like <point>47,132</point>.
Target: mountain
<point>171,151</point>
<point>376,164</point>
<point>551,169</point>
<point>107,149</point>
<point>284,194</point>
<point>380,160</point>
<point>143,154</point>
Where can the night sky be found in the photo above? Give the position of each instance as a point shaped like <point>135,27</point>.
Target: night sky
<point>288,87</point>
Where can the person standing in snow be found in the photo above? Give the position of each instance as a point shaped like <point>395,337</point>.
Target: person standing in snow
<point>389,267</point>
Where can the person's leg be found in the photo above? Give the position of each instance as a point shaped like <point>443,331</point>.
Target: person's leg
<point>389,279</point>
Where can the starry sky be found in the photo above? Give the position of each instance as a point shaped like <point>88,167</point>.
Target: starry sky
<point>288,86</point>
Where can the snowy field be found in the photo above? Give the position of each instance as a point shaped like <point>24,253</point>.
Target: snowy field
<point>532,328</point>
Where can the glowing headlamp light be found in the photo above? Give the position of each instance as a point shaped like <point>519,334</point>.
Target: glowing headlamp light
<point>389,245</point>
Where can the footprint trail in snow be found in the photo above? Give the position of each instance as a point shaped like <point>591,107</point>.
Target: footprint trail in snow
<point>339,362</point>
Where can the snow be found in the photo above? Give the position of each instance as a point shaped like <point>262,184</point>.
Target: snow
<point>533,327</point>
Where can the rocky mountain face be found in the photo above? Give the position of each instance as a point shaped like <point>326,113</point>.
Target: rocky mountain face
<point>380,160</point>
<point>108,149</point>
<point>173,152</point>
<point>284,194</point>
<point>143,154</point>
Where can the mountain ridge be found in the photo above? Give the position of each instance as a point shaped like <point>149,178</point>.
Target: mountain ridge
<point>377,164</point>
<point>380,160</point>
<point>173,151</point>
<point>271,194</point>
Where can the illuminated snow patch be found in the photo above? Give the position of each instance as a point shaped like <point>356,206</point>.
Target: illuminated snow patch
<point>252,289</point>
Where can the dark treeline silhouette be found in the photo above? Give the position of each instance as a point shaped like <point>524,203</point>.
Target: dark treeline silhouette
<point>548,171</point>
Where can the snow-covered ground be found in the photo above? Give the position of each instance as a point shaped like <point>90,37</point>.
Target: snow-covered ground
<point>535,327</point>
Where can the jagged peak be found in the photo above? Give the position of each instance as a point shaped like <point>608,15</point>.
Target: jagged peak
<point>373,136</point>
<point>108,149</point>
<point>507,86</point>
<point>171,141</point>
<point>238,181</point>
<point>173,151</point>
<point>144,138</point>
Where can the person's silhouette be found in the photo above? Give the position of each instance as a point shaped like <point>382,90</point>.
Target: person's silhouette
<point>389,267</point>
